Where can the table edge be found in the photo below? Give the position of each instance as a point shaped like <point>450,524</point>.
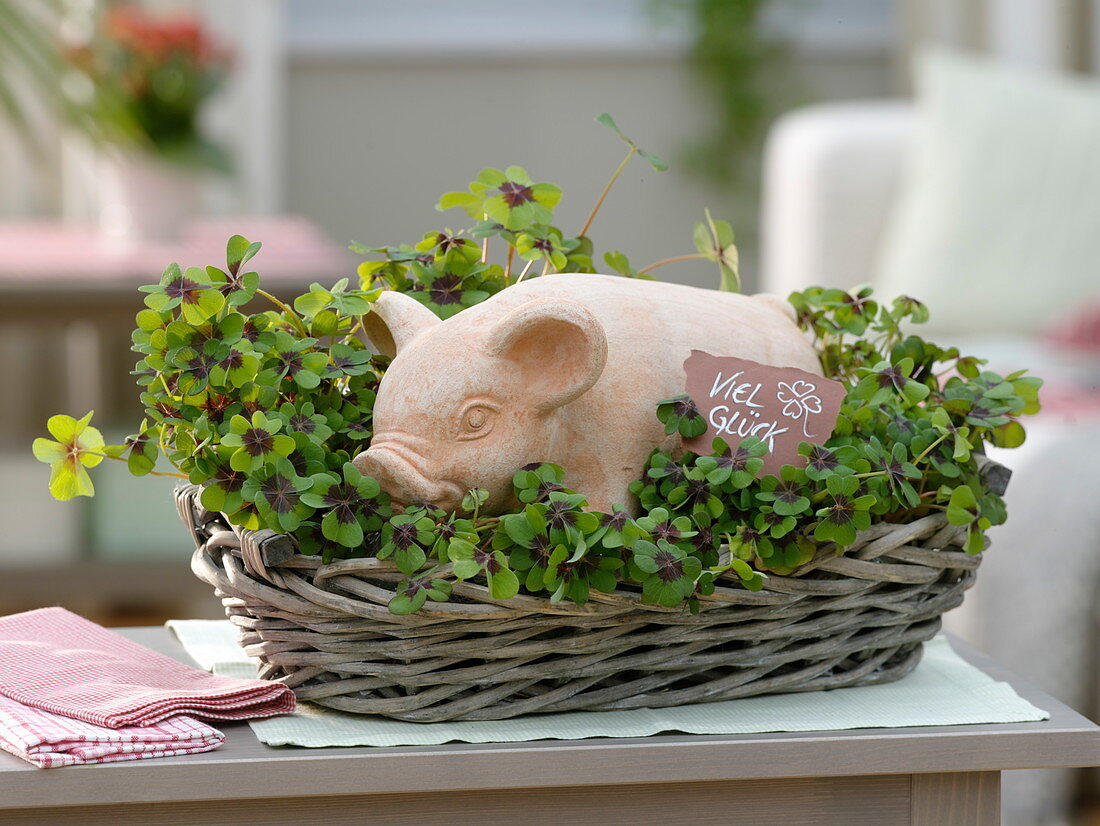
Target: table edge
<point>234,772</point>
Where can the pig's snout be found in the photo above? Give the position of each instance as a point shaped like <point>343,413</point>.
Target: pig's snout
<point>395,466</point>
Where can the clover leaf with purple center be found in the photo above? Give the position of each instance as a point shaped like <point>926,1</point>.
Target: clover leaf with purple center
<point>528,535</point>
<point>734,468</point>
<point>680,415</point>
<point>660,524</point>
<point>533,562</point>
<point>512,199</point>
<point>697,494</point>
<point>448,286</point>
<point>192,291</point>
<point>821,462</point>
<point>143,449</point>
<point>542,243</point>
<point>221,484</point>
<point>302,417</point>
<point>576,569</point>
<point>405,537</point>
<point>343,499</point>
<point>565,516</point>
<point>845,512</point>
<point>237,287</point>
<point>347,360</point>
<point>620,531</point>
<point>449,247</point>
<point>236,365</point>
<point>663,466</point>
<point>667,572</point>
<point>469,560</point>
<point>415,591</point>
<point>258,442</point>
<point>788,494</point>
<point>309,457</point>
<point>295,359</point>
<point>163,408</point>
<point>276,490</point>
<point>886,381</point>
<point>535,482</point>
<point>748,542</point>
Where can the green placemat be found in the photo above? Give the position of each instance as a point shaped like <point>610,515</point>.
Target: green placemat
<point>943,690</point>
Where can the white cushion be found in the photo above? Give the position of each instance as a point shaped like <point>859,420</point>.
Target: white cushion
<point>997,225</point>
<point>830,177</point>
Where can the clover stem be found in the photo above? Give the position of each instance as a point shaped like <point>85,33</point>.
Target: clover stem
<point>508,262</point>
<point>164,449</point>
<point>150,473</point>
<point>672,260</point>
<point>293,316</point>
<point>930,448</point>
<point>161,473</point>
<point>839,345</point>
<point>358,326</point>
<point>526,270</point>
<point>606,189</point>
<point>545,267</point>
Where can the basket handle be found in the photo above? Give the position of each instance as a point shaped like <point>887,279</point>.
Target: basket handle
<point>259,550</point>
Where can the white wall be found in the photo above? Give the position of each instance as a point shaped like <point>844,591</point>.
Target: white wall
<point>372,147</point>
<point>392,104</point>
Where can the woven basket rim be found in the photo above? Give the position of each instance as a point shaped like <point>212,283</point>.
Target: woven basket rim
<point>826,573</point>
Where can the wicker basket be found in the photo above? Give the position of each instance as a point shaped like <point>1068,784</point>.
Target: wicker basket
<point>325,630</point>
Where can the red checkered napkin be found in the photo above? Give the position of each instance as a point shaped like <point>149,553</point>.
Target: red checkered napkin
<point>53,660</point>
<point>49,740</point>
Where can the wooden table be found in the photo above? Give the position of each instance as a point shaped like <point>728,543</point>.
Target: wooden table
<point>930,776</point>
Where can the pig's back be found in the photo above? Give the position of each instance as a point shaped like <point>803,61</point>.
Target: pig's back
<point>652,324</point>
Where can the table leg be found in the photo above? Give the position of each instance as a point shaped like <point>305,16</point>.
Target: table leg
<point>957,799</point>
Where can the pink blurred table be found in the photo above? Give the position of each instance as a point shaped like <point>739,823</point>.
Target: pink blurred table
<point>44,258</point>
<point>68,299</point>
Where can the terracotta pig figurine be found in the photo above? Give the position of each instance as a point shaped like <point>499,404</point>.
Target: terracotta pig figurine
<point>563,368</point>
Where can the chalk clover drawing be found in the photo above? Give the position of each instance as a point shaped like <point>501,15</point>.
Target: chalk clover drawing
<point>799,400</point>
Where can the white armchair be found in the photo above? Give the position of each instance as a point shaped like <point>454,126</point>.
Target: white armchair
<point>831,176</point>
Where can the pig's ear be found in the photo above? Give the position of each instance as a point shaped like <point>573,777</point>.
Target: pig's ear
<point>394,320</point>
<point>557,345</point>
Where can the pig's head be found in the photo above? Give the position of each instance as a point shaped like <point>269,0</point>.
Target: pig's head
<point>468,401</point>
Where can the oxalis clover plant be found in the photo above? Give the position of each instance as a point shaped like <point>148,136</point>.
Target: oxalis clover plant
<point>265,403</point>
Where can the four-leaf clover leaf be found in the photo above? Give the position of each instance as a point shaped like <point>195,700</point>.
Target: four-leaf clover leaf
<point>258,442</point>
<point>192,291</point>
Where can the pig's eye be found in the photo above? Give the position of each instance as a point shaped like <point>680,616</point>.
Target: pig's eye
<point>477,421</point>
